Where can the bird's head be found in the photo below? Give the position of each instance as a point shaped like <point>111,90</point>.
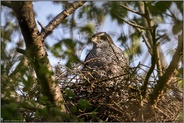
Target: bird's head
<point>101,38</point>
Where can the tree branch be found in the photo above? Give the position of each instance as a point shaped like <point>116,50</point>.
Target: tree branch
<point>22,102</point>
<point>145,20</point>
<point>159,65</point>
<point>164,80</point>
<point>151,43</point>
<point>145,40</point>
<point>153,62</point>
<point>20,67</point>
<point>161,61</point>
<point>59,18</point>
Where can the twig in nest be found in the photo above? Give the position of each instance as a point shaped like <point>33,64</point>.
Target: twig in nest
<point>160,111</point>
<point>87,113</point>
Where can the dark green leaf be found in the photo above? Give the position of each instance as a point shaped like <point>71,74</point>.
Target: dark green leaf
<point>84,104</point>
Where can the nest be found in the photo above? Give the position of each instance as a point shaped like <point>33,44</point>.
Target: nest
<point>122,101</point>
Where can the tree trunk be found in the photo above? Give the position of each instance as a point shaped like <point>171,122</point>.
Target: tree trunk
<point>37,54</point>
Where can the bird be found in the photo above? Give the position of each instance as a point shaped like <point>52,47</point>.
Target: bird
<point>105,61</point>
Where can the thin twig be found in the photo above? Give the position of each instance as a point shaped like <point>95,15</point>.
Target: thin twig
<point>134,25</point>
<point>145,40</point>
<point>161,111</point>
<point>87,114</point>
<point>131,10</point>
<point>21,51</point>
<point>164,35</point>
<point>40,24</point>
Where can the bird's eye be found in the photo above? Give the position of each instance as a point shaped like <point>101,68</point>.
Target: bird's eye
<point>103,37</point>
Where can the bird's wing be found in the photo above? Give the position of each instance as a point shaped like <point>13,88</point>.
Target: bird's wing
<point>117,52</point>
<point>89,56</point>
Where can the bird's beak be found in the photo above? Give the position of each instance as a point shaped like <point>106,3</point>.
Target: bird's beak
<point>94,39</point>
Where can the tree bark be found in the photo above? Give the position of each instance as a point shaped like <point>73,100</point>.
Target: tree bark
<point>37,54</point>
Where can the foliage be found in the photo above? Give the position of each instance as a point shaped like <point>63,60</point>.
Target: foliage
<point>22,96</point>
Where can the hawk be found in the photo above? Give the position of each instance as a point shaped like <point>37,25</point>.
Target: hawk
<point>106,61</point>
